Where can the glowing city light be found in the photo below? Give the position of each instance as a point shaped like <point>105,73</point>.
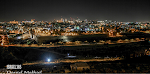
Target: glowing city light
<point>48,60</point>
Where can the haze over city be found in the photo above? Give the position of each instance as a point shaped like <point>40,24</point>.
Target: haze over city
<point>48,10</point>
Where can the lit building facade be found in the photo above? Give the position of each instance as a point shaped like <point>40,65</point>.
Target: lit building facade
<point>13,22</point>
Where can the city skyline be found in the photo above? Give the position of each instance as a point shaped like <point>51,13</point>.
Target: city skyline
<point>87,36</point>
<point>48,10</point>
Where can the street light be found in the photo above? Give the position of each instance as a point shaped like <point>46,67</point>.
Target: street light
<point>48,60</point>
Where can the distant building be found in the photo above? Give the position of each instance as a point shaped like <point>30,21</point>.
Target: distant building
<point>2,22</point>
<point>71,22</point>
<point>66,20</point>
<point>26,22</point>
<point>78,20</point>
<point>101,22</point>
<point>69,29</point>
<point>86,21</point>
<point>16,31</point>
<point>42,23</point>
<point>38,22</point>
<point>61,20</point>
<point>79,67</point>
<point>13,22</point>
<point>32,20</point>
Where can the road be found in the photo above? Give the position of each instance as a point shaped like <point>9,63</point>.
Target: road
<point>73,61</point>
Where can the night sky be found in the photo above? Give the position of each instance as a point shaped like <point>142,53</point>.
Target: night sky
<point>48,10</point>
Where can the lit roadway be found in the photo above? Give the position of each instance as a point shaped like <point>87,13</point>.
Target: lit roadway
<point>73,61</point>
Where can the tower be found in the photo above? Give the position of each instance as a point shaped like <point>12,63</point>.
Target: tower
<point>62,20</point>
<point>65,20</point>
<point>32,20</point>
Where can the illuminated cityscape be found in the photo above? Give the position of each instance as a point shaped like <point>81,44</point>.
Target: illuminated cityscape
<point>80,37</point>
<point>24,30</point>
